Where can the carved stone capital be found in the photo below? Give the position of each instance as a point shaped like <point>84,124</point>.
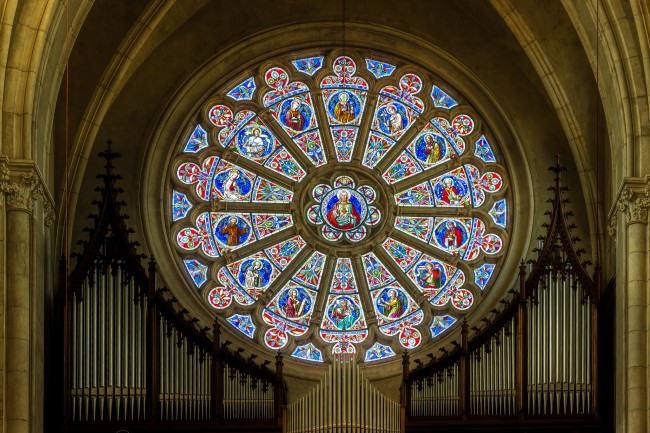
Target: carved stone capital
<point>633,201</point>
<point>22,185</point>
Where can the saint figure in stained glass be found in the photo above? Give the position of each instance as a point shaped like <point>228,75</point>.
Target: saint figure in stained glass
<point>449,193</point>
<point>294,115</point>
<point>234,231</point>
<point>392,305</point>
<point>452,236</point>
<point>293,306</point>
<point>432,150</point>
<point>256,144</point>
<point>430,276</point>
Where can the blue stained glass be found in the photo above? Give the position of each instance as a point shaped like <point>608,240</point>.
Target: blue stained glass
<point>482,275</point>
<point>197,270</point>
<point>483,150</point>
<point>243,323</point>
<point>308,352</point>
<point>440,324</point>
<point>441,99</point>
<point>181,205</point>
<point>379,69</point>
<point>379,351</point>
<point>499,212</point>
<point>244,90</point>
<point>309,65</point>
<point>198,140</point>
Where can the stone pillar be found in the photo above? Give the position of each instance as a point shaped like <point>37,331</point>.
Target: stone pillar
<point>633,262</point>
<point>21,185</point>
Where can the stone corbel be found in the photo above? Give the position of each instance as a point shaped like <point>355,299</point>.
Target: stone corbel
<point>22,185</point>
<point>633,201</point>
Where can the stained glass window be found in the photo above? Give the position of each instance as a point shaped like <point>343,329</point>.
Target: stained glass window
<point>329,202</point>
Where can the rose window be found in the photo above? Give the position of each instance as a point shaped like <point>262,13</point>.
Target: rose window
<point>339,204</point>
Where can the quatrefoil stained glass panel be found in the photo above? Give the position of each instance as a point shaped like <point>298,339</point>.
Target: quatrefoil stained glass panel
<point>339,204</point>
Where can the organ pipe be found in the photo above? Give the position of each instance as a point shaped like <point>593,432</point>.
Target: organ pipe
<point>351,404</point>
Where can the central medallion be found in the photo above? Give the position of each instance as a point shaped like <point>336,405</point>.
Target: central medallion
<point>343,209</point>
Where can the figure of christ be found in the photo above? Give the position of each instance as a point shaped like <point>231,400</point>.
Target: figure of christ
<point>430,277</point>
<point>233,231</point>
<point>293,117</point>
<point>450,192</point>
<point>393,307</point>
<point>343,215</point>
<point>452,236</point>
<point>431,149</point>
<point>342,314</point>
<point>344,111</point>
<point>294,306</point>
<point>231,190</point>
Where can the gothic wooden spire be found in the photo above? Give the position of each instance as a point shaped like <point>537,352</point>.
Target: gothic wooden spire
<point>559,248</point>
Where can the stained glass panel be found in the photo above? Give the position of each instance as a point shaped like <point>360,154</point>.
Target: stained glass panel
<point>308,352</point>
<point>379,351</point>
<point>440,324</point>
<point>379,69</point>
<point>243,324</point>
<point>244,90</point>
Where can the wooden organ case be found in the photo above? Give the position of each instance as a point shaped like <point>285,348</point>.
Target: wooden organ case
<point>533,365</point>
<point>134,360</point>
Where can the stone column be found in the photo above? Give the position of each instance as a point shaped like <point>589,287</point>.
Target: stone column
<point>21,185</point>
<point>633,261</point>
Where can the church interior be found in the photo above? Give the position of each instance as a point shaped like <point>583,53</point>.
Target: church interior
<point>359,216</point>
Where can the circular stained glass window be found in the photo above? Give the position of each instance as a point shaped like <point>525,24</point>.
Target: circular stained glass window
<point>339,204</point>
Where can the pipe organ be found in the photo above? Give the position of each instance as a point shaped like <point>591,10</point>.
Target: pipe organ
<point>108,337</point>
<point>492,373</point>
<point>344,401</point>
<point>131,357</point>
<point>534,358</point>
<point>559,349</point>
<point>185,376</point>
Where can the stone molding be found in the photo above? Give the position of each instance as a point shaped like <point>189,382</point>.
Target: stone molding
<point>633,201</point>
<point>22,185</point>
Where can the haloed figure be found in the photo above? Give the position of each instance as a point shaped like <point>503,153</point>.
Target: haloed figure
<point>294,306</point>
<point>252,277</point>
<point>343,215</point>
<point>231,190</point>
<point>233,231</point>
<point>294,118</point>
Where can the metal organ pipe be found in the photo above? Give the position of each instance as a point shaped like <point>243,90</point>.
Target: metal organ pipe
<point>344,401</point>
